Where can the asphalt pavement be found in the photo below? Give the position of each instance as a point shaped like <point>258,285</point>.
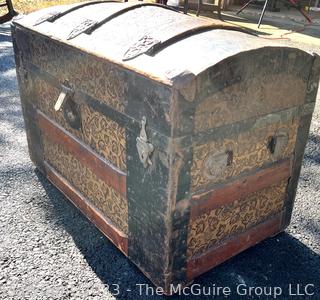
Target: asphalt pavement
<point>48,249</point>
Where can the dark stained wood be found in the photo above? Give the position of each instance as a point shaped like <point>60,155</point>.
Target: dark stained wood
<point>239,188</point>
<point>302,138</point>
<point>89,210</point>
<point>149,230</point>
<point>104,170</point>
<point>230,248</point>
<point>28,109</point>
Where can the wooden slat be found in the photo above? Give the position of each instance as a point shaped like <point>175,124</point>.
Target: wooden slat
<point>90,211</point>
<point>239,188</point>
<point>104,170</point>
<point>239,243</point>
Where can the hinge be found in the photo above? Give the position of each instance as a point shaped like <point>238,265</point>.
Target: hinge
<point>145,148</point>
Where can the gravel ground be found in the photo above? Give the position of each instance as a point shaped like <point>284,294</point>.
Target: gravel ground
<point>48,250</point>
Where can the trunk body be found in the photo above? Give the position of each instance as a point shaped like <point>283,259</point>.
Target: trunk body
<point>182,163</point>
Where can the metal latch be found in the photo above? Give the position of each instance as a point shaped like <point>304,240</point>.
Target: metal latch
<point>70,108</point>
<point>278,143</point>
<point>64,94</point>
<point>145,148</point>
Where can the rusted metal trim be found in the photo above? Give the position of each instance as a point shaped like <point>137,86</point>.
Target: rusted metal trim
<point>54,15</point>
<point>239,188</point>
<point>103,169</point>
<point>230,248</point>
<point>105,225</point>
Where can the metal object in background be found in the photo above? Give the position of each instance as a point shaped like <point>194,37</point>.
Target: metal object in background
<point>294,4</point>
<point>11,12</point>
<point>201,5</point>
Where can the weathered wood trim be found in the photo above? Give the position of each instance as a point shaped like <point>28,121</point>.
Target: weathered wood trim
<point>239,188</point>
<point>231,130</point>
<point>231,247</point>
<point>103,169</point>
<point>179,245</point>
<point>180,180</point>
<point>313,81</point>
<point>148,212</point>
<point>89,210</point>
<point>28,109</point>
<point>302,138</point>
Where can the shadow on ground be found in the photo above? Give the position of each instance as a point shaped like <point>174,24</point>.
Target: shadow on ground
<point>5,34</point>
<point>276,262</point>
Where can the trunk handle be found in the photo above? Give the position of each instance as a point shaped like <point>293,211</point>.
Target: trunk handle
<point>69,108</point>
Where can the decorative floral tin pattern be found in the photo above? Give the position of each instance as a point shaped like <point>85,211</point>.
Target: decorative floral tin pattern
<point>104,197</point>
<point>225,221</point>
<point>101,133</point>
<point>86,73</point>
<point>105,136</point>
<point>246,151</point>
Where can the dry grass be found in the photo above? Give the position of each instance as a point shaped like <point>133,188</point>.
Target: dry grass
<point>26,6</point>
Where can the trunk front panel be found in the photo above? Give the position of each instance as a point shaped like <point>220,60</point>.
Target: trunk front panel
<point>109,201</point>
<point>98,131</point>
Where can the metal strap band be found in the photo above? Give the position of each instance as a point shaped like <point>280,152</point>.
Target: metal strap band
<point>88,25</point>
<point>151,45</point>
<point>54,15</point>
<point>122,11</point>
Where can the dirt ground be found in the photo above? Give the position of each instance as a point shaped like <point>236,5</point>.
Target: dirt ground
<point>26,6</point>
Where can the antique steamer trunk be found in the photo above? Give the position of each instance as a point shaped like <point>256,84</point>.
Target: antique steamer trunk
<point>180,138</point>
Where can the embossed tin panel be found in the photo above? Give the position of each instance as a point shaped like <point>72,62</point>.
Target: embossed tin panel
<point>79,69</point>
<point>246,151</point>
<point>104,197</point>
<point>104,135</point>
<point>259,95</point>
<point>225,221</point>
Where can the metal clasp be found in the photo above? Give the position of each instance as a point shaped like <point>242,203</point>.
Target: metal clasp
<point>70,108</point>
<point>145,148</point>
<point>278,143</point>
<point>65,92</point>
